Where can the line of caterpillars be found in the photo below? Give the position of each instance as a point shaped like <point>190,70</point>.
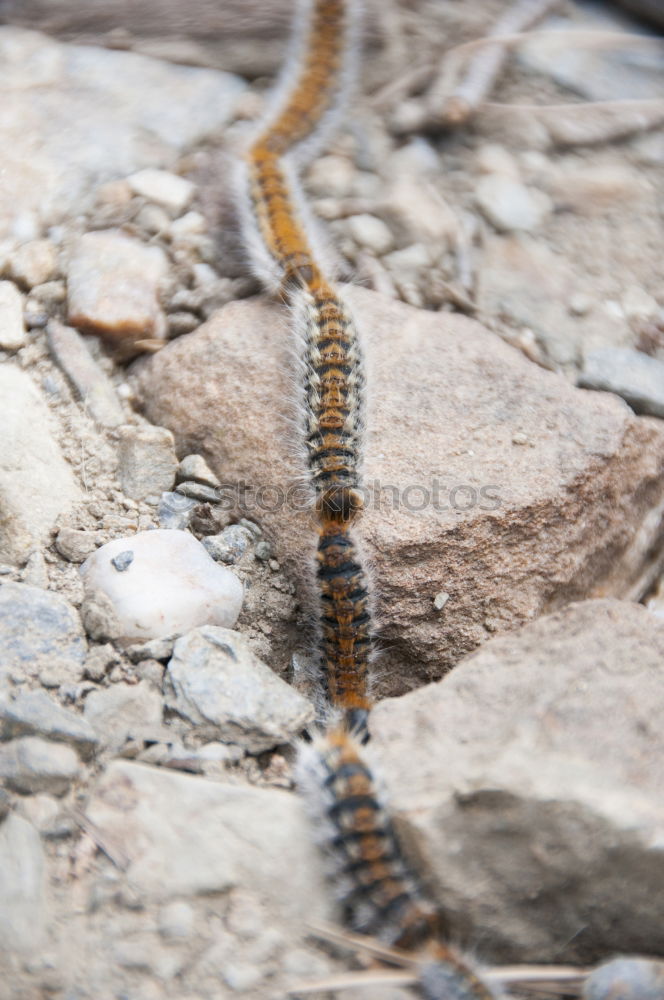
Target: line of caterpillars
<point>379,893</point>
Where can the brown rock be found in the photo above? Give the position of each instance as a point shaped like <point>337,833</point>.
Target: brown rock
<point>562,485</point>
<point>529,783</point>
<point>113,287</point>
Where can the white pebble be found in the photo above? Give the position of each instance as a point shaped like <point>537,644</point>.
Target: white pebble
<point>162,187</point>
<point>169,586</point>
<point>510,205</point>
<point>494,159</point>
<point>371,233</point>
<point>12,330</point>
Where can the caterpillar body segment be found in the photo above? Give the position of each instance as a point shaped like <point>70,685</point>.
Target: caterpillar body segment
<point>377,892</point>
<point>332,399</point>
<point>345,619</point>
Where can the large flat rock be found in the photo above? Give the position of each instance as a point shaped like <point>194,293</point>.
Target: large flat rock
<point>58,146</point>
<point>501,485</point>
<point>529,783</point>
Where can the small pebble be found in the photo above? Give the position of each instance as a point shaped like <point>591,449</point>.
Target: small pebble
<point>34,263</point>
<point>164,188</point>
<point>440,600</point>
<point>370,232</point>
<point>12,329</point>
<point>638,378</point>
<point>99,661</point>
<point>509,205</point>
<point>93,386</point>
<point>31,764</point>
<point>580,304</point>
<point>263,551</point>
<point>175,511</point>
<point>196,491</point>
<point>123,561</point>
<point>75,545</point>
<point>147,460</point>
<point>194,467</point>
<point>230,544</point>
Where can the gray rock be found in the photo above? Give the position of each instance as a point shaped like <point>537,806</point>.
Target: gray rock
<point>187,835</point>
<point>195,467</point>
<point>30,764</point>
<point>638,378</point>
<point>229,545</point>
<point>99,618</point>
<point>38,630</point>
<point>215,680</point>
<point>23,914</point>
<point>508,204</point>
<point>76,545</point>
<point>35,571</point>
<point>113,285</point>
<point>36,484</point>
<point>35,713</point>
<point>529,784</point>
<point>123,711</point>
<point>147,461</point>
<point>92,385</point>
<point>12,328</point>
<point>626,979</point>
<point>152,110</point>
<point>154,649</point>
<point>5,804</point>
<point>175,511</point>
<point>199,492</point>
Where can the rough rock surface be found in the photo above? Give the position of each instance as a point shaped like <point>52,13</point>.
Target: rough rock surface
<point>38,630</point>
<point>113,286</point>
<point>162,583</point>
<point>51,95</point>
<point>30,764</point>
<point>36,484</point>
<point>529,782</point>
<point>23,880</point>
<point>636,377</point>
<point>216,681</point>
<point>147,461</point>
<point>12,329</point>
<point>35,713</point>
<point>122,711</point>
<point>93,386</point>
<point>220,835</point>
<point>546,493</point>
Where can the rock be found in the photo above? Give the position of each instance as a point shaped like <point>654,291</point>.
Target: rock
<point>92,385</point>
<point>371,233</point>
<point>421,212</point>
<point>195,467</point>
<point>123,711</point>
<point>155,649</point>
<point>176,920</point>
<point>36,484</point>
<point>75,545</point>
<point>533,817</point>
<point>196,491</point>
<point>162,187</point>
<point>46,815</point>
<point>35,571</point>
<point>638,378</point>
<point>52,94</point>
<point>35,713</point>
<point>597,189</point>
<point>147,461</point>
<point>494,159</point>
<point>569,515</point>
<point>99,661</point>
<point>508,204</point>
<point>30,764</point>
<point>24,910</point>
<point>12,328</point>
<point>215,680</point>
<point>175,511</point>
<point>229,545</point>
<point>99,617</point>
<point>113,286</point>
<point>171,585</point>
<point>219,836</point>
<point>33,263</point>
<point>331,177</point>
<point>626,979</point>
<point>39,629</point>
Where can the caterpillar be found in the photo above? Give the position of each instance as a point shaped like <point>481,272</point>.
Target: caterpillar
<point>378,892</point>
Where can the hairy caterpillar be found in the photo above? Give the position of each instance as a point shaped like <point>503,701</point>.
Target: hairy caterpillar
<point>378,892</point>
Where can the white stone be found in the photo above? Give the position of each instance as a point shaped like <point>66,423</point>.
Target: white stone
<point>494,159</point>
<point>12,328</point>
<point>23,912</point>
<point>421,211</point>
<point>33,263</point>
<point>113,284</point>
<point>371,233</point>
<point>331,177</point>
<point>638,304</point>
<point>35,713</point>
<point>508,204</point>
<point>36,484</point>
<point>187,835</point>
<point>147,461</point>
<point>162,187</point>
<point>215,680</point>
<point>169,586</point>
